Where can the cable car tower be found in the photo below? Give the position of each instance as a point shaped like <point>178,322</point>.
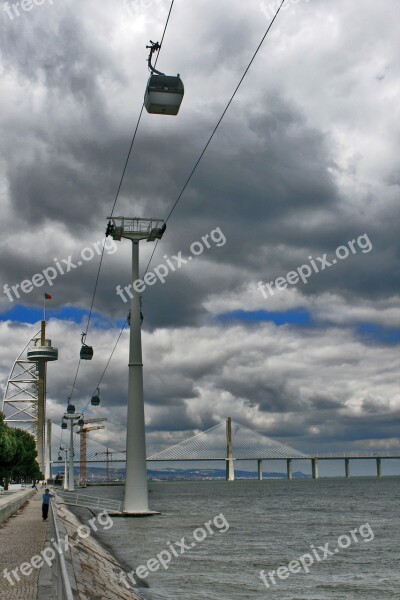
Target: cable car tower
<point>136,492</point>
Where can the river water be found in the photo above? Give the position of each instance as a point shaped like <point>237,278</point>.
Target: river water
<point>263,526</point>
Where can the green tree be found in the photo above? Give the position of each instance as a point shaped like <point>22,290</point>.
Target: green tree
<point>17,454</point>
<point>8,451</point>
<point>25,464</point>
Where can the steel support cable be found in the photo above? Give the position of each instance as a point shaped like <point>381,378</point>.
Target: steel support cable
<point>108,363</point>
<point>211,444</point>
<point>123,173</point>
<point>216,128</point>
<point>115,202</point>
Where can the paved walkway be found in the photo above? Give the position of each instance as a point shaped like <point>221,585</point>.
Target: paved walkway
<point>21,538</point>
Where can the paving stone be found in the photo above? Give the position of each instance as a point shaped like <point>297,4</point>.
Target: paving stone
<point>22,536</point>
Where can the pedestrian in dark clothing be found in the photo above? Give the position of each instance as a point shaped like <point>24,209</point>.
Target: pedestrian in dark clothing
<point>34,486</point>
<point>46,503</point>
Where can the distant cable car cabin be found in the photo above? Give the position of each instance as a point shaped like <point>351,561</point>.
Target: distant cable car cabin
<point>95,400</point>
<point>81,422</point>
<point>86,351</point>
<point>71,409</point>
<point>164,93</point>
<point>64,425</point>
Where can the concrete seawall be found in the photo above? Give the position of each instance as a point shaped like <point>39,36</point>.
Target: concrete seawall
<point>11,503</point>
<point>93,572</point>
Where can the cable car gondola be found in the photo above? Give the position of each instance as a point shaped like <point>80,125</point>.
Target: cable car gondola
<point>164,93</point>
<point>64,425</point>
<point>81,422</point>
<point>86,351</point>
<point>71,409</point>
<point>95,400</point>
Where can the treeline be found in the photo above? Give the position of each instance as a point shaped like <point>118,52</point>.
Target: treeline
<point>17,455</point>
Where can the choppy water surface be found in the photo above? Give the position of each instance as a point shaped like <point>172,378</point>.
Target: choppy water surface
<point>270,524</point>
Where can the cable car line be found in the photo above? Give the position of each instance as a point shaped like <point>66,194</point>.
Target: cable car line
<point>215,129</point>
<point>114,204</point>
<point>203,151</point>
<point>107,365</point>
<point>223,114</point>
<point>198,161</point>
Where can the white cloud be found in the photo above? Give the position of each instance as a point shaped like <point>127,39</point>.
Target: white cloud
<point>305,159</point>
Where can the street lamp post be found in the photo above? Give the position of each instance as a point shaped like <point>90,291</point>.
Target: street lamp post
<point>136,491</point>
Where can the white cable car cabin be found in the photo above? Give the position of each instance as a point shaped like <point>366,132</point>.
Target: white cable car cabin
<point>164,93</point>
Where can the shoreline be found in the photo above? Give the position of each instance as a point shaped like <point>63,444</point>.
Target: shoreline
<point>92,567</point>
<point>112,551</point>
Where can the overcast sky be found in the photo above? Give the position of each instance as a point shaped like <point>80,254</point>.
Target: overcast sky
<point>302,177</point>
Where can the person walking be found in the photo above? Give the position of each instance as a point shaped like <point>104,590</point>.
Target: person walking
<point>34,486</point>
<point>46,502</point>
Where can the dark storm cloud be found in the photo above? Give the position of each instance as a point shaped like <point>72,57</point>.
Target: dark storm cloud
<point>283,179</point>
<point>303,162</point>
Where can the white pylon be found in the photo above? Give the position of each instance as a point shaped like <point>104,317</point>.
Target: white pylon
<point>136,490</point>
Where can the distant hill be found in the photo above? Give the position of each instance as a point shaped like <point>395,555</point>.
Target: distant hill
<point>170,474</point>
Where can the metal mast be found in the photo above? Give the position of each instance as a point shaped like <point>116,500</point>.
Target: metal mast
<point>108,453</point>
<point>24,401</point>
<point>83,431</point>
<point>21,393</point>
<point>41,353</point>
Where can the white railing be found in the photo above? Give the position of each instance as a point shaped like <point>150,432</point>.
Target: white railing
<point>59,576</point>
<point>87,501</point>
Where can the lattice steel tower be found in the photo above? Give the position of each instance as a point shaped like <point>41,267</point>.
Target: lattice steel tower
<point>24,401</point>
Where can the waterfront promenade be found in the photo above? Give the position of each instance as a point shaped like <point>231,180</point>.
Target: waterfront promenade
<point>21,537</point>
<point>91,570</point>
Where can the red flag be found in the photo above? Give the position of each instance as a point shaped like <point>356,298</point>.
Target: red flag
<point>48,297</point>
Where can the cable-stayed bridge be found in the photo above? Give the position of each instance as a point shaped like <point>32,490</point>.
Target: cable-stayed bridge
<point>228,441</point>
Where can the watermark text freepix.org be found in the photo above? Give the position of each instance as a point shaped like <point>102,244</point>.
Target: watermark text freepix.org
<point>315,265</point>
<point>48,555</point>
<point>61,267</point>
<point>173,263</point>
<point>270,9</point>
<point>176,549</point>
<point>13,10</point>
<point>137,6</point>
<point>319,553</point>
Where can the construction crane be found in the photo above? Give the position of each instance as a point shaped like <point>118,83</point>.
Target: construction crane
<point>107,454</point>
<point>83,431</point>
